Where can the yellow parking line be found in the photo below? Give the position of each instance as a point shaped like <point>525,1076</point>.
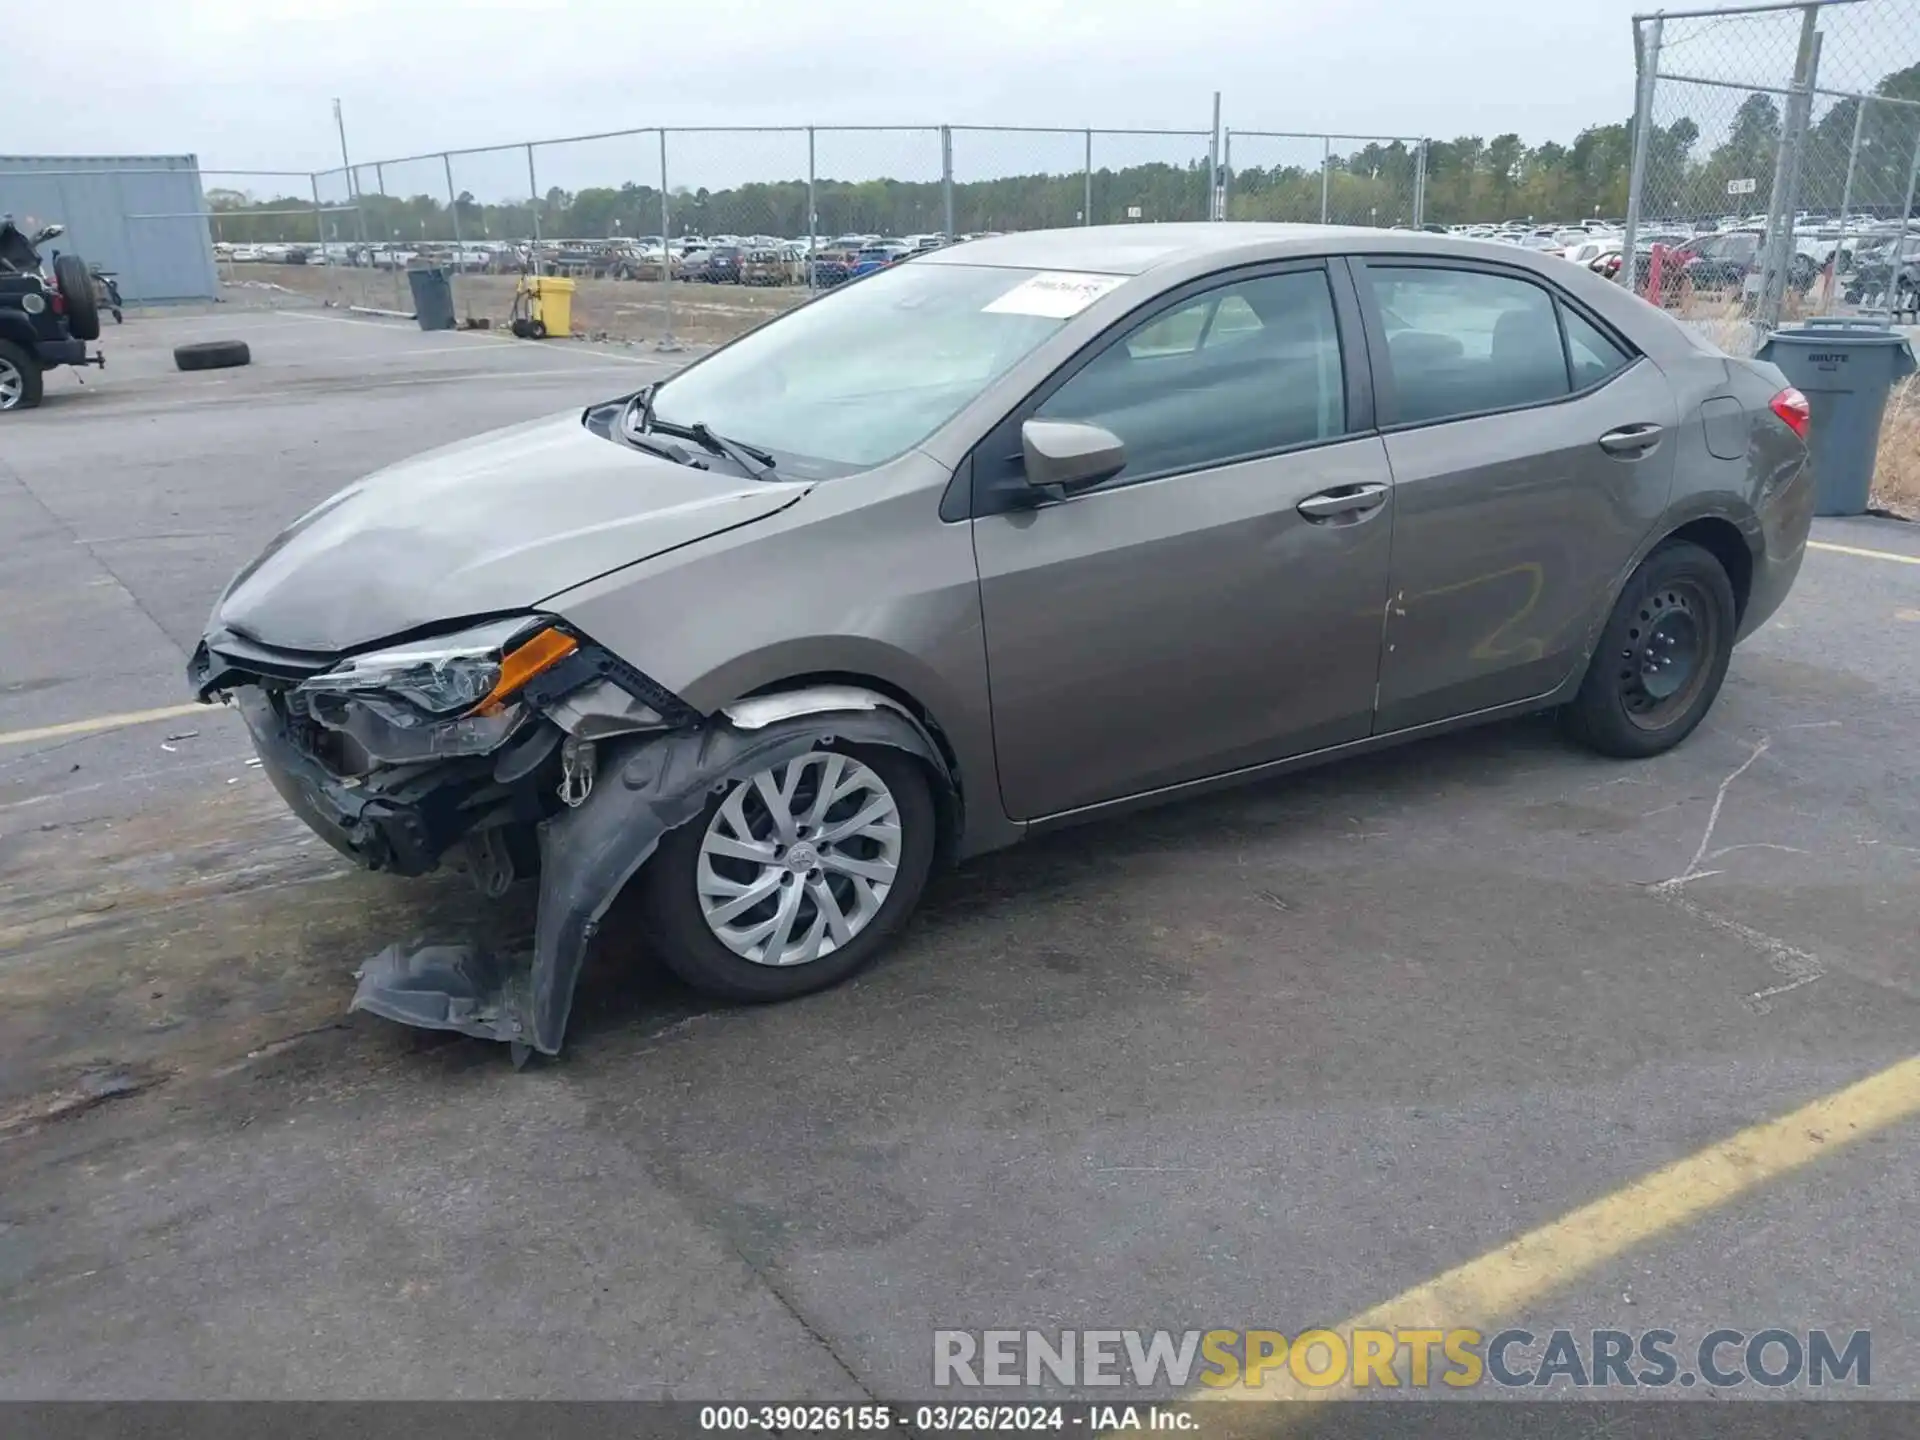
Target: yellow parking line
<point>1863,554</point>
<point>100,722</point>
<point>1503,1282</point>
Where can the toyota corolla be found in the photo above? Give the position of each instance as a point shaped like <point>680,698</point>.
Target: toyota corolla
<point>1025,532</point>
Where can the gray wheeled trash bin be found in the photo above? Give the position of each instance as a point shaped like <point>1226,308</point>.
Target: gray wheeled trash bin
<point>432,297</point>
<point>1844,366</point>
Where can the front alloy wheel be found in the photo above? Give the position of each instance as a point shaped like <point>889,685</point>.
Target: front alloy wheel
<point>795,877</point>
<point>799,860</point>
<point>19,378</point>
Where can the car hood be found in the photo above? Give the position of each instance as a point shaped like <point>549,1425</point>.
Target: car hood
<point>492,524</point>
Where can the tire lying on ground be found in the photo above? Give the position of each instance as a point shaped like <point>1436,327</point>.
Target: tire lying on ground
<point>212,355</point>
<point>75,280</point>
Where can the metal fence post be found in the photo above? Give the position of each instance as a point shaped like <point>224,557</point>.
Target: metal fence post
<point>1326,174</point>
<point>453,205</point>
<point>1913,173</point>
<point>1419,184</point>
<point>813,215</point>
<point>1786,176</point>
<point>946,179</point>
<point>533,194</point>
<point>380,181</point>
<point>1086,202</point>
<point>1853,157</point>
<point>1846,201</point>
<point>667,342</point>
<point>1226,174</point>
<point>1647,60</point>
<point>319,224</point>
<point>319,221</point>
<point>353,177</point>
<point>1213,164</point>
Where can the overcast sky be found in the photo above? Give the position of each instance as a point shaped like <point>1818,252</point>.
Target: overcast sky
<point>249,83</point>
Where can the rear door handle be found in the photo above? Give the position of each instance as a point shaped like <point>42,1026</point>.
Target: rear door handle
<point>1344,500</point>
<point>1631,439</point>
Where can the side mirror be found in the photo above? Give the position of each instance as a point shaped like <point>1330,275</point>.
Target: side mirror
<point>52,232</point>
<point>1070,455</point>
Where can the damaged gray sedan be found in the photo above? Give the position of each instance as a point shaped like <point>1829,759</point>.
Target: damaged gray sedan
<point>1026,531</point>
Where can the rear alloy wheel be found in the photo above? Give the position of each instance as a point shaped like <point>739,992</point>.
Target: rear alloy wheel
<point>1662,657</point>
<point>794,878</point>
<point>20,378</point>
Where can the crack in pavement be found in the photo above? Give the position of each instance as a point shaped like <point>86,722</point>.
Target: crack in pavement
<point>1796,967</point>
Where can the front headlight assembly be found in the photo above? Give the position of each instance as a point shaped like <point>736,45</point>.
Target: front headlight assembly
<point>436,699</point>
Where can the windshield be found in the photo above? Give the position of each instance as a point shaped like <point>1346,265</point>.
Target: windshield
<point>866,372</point>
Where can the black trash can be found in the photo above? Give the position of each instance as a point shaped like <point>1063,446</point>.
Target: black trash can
<point>1845,366</point>
<point>432,287</point>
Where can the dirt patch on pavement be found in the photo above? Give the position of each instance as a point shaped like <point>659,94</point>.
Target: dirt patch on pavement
<point>634,310</point>
<point>178,941</point>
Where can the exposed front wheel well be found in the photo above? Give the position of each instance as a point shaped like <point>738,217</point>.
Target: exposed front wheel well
<point>950,802</point>
<point>1722,539</point>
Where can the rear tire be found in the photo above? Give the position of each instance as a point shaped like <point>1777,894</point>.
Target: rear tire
<point>212,355</point>
<point>21,380</point>
<point>75,280</point>
<point>1662,658</point>
<point>689,945</point>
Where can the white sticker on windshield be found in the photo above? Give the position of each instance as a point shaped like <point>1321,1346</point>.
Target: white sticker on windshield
<point>1054,294</point>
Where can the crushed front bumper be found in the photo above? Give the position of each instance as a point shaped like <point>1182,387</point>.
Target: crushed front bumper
<point>403,821</point>
<point>590,842</point>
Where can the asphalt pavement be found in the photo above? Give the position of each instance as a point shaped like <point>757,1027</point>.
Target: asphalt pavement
<point>1260,1060</point>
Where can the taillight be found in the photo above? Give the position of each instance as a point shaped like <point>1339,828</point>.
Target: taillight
<point>1794,412</point>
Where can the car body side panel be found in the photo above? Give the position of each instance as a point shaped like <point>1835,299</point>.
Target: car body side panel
<point>860,579</point>
<point>1163,631</point>
<point>1509,531</point>
<point>1761,480</point>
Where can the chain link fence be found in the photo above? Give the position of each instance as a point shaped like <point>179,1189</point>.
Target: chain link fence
<point>1775,153</point>
<point>649,224</point>
<point>1324,179</point>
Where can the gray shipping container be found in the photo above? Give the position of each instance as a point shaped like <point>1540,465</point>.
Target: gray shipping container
<point>99,198</point>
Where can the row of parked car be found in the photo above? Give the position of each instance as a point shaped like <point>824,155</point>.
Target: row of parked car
<point>1873,262</point>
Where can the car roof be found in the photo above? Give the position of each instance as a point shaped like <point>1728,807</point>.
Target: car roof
<point>1172,254</point>
<point>1141,248</point>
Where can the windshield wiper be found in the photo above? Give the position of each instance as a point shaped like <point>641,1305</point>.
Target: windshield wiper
<point>750,458</point>
<point>639,424</point>
<point>641,401</point>
<point>638,430</point>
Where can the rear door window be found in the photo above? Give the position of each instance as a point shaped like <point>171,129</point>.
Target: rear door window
<point>1463,342</point>
<point>1590,351</point>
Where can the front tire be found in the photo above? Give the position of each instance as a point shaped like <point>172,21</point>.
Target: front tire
<point>1662,658</point>
<point>21,379</point>
<point>793,879</point>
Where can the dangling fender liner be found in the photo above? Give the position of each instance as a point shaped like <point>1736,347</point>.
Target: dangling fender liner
<point>646,786</point>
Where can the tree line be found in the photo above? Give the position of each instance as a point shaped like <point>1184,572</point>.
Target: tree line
<point>1468,179</point>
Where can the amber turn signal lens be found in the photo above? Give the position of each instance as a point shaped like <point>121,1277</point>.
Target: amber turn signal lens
<point>533,657</point>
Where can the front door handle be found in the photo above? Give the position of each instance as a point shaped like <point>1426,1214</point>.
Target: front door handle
<point>1631,439</point>
<point>1355,500</point>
